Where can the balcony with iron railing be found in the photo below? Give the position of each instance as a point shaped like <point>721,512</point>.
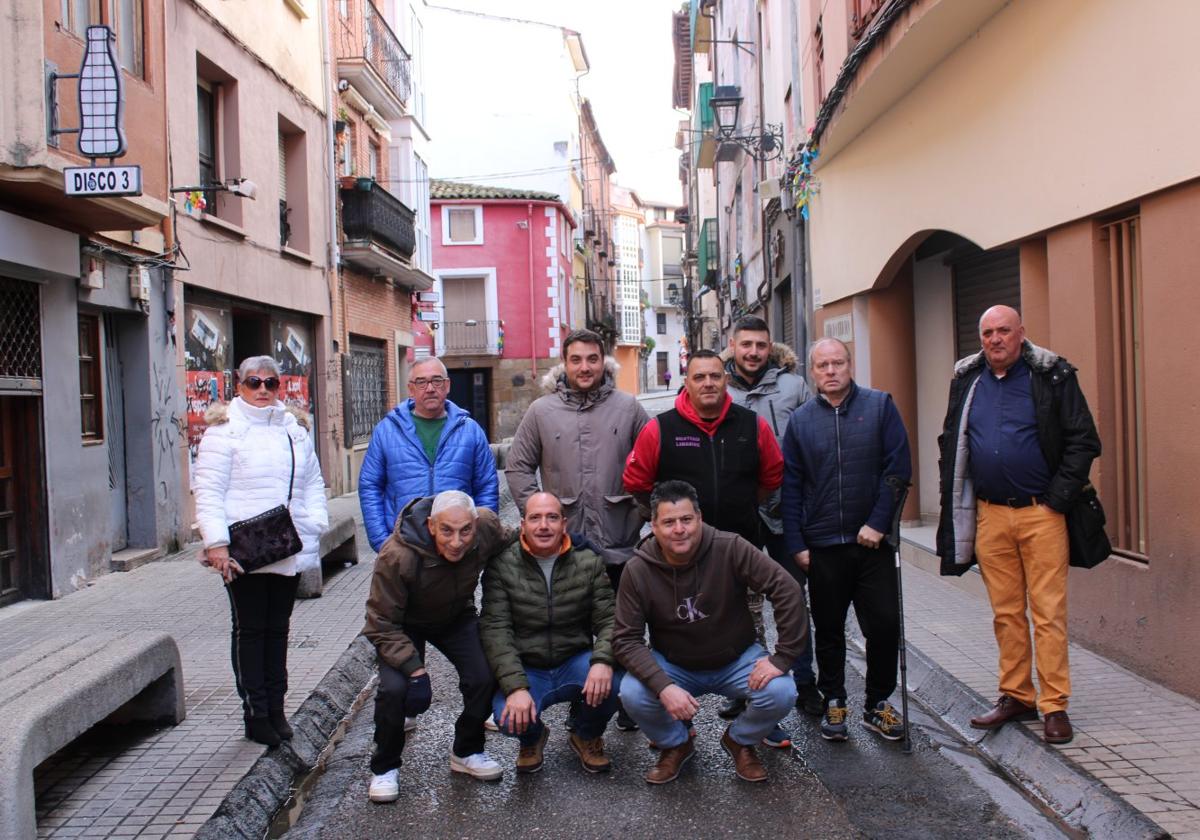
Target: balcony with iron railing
<point>379,233</point>
<point>371,58</point>
<point>469,338</point>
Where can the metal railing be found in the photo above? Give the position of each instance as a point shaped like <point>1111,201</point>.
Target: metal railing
<point>370,212</point>
<point>470,337</point>
<point>366,33</point>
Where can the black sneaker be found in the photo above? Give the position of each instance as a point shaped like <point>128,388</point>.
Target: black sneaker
<point>572,712</point>
<point>624,722</point>
<point>885,720</point>
<point>733,708</point>
<point>808,699</point>
<point>833,725</point>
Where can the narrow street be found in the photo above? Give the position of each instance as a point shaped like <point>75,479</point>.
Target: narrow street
<point>863,788</point>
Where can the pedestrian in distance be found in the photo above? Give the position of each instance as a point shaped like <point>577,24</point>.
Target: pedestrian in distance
<point>423,446</point>
<point>423,591</point>
<point>257,454</point>
<point>687,585</point>
<point>546,628</point>
<point>667,379</point>
<point>575,438</point>
<point>846,455</point>
<point>1016,448</point>
<point>765,377</point>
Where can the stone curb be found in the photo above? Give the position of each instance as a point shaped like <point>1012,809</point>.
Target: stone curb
<point>1073,795</point>
<point>248,810</point>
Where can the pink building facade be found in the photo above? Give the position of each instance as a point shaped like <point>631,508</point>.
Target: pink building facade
<point>502,266</point>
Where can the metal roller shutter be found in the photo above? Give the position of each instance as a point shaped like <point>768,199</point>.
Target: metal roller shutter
<point>982,280</point>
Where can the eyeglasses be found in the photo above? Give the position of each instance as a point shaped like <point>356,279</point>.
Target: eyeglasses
<point>422,383</point>
<point>256,382</point>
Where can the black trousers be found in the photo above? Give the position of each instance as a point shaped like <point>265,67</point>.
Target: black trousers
<point>460,644</point>
<point>839,576</point>
<point>261,609</point>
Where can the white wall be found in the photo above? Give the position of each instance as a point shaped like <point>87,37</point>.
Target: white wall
<point>933,305</point>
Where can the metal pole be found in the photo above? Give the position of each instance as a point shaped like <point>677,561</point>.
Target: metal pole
<point>901,493</point>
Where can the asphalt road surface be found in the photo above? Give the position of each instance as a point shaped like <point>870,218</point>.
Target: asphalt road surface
<point>861,788</point>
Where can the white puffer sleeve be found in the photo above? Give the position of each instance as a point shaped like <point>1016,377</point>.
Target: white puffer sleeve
<point>211,484</point>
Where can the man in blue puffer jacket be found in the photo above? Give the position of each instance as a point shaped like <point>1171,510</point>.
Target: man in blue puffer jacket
<point>845,455</point>
<point>425,445</point>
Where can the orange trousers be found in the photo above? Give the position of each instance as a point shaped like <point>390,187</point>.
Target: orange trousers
<point>1023,553</point>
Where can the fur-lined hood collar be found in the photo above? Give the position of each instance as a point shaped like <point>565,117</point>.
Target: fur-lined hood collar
<point>218,413</point>
<point>782,356</point>
<point>551,380</point>
<point>1038,358</point>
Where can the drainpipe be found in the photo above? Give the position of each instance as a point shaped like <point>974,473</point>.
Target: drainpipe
<point>334,471</point>
<point>532,301</point>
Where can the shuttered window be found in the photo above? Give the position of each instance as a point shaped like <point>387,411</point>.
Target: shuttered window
<point>982,280</point>
<point>282,168</point>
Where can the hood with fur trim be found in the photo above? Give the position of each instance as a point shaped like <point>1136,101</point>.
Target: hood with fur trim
<point>782,356</point>
<point>218,413</point>
<point>1038,358</point>
<point>558,372</point>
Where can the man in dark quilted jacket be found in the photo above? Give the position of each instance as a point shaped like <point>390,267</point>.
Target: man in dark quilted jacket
<point>546,629</point>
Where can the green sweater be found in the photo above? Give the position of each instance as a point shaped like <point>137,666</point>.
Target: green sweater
<point>524,623</point>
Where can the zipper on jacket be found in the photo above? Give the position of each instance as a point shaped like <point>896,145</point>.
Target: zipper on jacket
<point>774,422</point>
<point>716,475</point>
<point>837,428</point>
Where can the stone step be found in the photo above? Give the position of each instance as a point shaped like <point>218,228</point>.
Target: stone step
<point>130,558</point>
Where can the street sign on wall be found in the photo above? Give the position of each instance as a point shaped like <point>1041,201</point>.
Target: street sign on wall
<point>103,180</point>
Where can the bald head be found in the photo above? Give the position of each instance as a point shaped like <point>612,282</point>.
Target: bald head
<point>1001,334</point>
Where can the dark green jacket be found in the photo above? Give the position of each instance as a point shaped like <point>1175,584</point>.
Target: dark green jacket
<point>524,625</point>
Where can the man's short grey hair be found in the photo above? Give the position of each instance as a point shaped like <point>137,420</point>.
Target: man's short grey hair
<point>830,339</point>
<point>431,360</point>
<point>448,499</point>
<point>254,363</point>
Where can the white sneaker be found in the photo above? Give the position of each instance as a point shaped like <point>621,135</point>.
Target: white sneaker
<point>490,725</point>
<point>410,724</point>
<point>480,765</point>
<point>385,787</point>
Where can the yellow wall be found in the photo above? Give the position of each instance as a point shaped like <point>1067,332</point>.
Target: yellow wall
<point>1054,110</point>
<point>278,35</point>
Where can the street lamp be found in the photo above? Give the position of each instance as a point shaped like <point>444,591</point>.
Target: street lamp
<point>726,104</point>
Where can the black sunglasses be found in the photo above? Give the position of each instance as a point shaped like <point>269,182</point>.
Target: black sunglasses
<point>255,382</point>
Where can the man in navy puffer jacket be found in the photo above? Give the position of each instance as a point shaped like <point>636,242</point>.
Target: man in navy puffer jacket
<point>425,445</point>
<point>845,453</point>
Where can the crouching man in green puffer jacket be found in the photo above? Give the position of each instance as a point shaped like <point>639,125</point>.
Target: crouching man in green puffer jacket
<point>546,629</point>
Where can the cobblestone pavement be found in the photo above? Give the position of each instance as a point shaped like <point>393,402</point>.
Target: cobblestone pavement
<point>153,782</point>
<point>1139,738</point>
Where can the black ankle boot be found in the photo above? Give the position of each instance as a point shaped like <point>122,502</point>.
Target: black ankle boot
<point>280,724</point>
<point>260,730</point>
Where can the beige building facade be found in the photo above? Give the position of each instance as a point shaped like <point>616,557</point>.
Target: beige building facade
<point>991,152</point>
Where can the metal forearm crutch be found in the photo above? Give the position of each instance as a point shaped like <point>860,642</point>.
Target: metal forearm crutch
<point>900,490</point>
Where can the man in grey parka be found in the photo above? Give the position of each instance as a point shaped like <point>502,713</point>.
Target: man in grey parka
<point>763,376</point>
<point>578,436</point>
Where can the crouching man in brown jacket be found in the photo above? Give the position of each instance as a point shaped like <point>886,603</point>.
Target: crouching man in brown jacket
<point>688,583</point>
<point>423,590</point>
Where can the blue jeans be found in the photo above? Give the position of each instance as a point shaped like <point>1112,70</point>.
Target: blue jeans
<point>802,668</point>
<point>764,708</point>
<point>563,684</point>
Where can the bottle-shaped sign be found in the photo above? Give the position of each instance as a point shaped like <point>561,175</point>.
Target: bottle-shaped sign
<point>101,97</point>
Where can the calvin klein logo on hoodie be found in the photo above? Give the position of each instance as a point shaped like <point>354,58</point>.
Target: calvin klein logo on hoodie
<point>689,611</point>
<point>687,441</point>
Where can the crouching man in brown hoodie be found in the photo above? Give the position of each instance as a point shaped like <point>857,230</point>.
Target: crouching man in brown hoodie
<point>688,583</point>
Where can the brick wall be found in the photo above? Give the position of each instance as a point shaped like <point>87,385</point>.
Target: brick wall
<point>375,309</point>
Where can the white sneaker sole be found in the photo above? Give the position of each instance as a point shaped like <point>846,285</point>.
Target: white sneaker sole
<point>483,775</point>
<point>383,796</point>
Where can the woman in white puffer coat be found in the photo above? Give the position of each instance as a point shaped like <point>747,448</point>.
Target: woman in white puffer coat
<point>243,469</point>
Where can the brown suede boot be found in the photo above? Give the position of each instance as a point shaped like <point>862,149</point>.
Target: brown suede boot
<point>746,762</point>
<point>591,753</point>
<point>670,762</point>
<point>530,759</point>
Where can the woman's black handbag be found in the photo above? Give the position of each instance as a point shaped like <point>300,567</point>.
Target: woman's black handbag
<point>269,537</point>
<point>1089,543</point>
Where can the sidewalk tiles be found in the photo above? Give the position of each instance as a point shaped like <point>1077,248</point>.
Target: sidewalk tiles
<point>1140,739</point>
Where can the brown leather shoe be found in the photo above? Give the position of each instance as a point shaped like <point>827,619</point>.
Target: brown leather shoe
<point>530,759</point>
<point>591,753</point>
<point>1006,709</point>
<point>1057,728</point>
<point>670,762</point>
<point>746,762</point>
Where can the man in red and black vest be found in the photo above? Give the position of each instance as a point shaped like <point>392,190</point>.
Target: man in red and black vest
<point>727,452</point>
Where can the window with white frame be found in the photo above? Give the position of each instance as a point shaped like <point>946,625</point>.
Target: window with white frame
<point>462,224</point>
<point>629,287</point>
